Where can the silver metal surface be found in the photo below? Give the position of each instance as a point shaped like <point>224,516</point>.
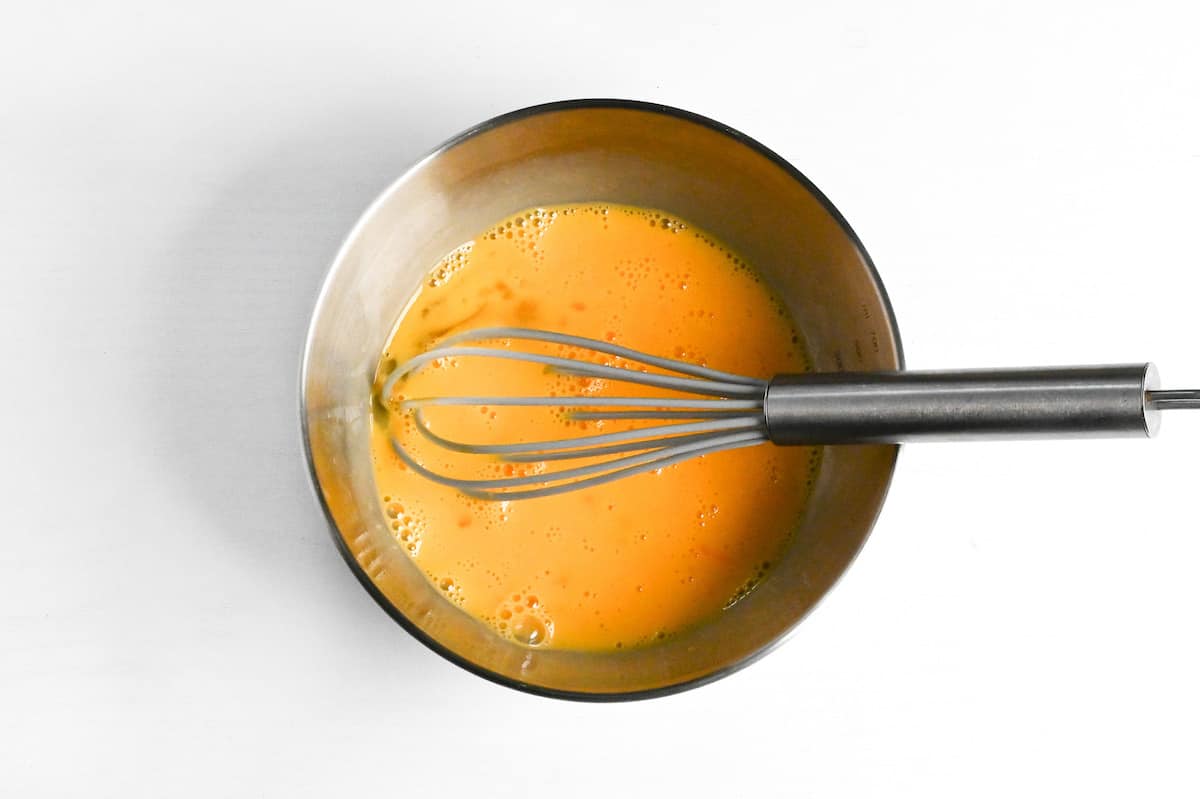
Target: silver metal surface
<point>1065,402</point>
<point>1169,400</point>
<point>586,151</point>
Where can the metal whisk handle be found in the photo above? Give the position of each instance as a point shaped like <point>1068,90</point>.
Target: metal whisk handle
<point>889,407</point>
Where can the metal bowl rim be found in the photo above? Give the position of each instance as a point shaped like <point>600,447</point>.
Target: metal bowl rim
<point>484,127</point>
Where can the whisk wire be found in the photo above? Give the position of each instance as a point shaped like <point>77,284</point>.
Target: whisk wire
<point>592,452</point>
<point>583,402</point>
<point>723,413</point>
<point>608,348</point>
<point>582,476</point>
<point>576,368</point>
<point>696,427</point>
<point>630,438</point>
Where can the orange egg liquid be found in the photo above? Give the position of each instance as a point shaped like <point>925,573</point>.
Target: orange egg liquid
<point>622,564</point>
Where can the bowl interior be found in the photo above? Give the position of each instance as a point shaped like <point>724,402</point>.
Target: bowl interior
<point>623,153</point>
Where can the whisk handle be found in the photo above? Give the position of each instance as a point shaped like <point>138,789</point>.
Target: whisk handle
<point>893,407</point>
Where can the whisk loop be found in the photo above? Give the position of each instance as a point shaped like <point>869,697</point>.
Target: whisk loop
<point>728,416</point>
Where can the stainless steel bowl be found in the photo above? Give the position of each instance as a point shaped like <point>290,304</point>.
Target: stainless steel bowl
<point>622,152</point>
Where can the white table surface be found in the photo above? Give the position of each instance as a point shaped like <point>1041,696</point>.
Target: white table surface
<point>174,180</point>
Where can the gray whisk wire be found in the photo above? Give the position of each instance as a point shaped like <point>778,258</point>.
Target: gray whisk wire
<point>697,427</point>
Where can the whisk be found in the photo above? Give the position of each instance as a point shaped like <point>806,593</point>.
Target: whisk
<point>729,411</point>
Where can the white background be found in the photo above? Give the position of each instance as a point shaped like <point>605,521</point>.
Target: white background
<point>174,180</point>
